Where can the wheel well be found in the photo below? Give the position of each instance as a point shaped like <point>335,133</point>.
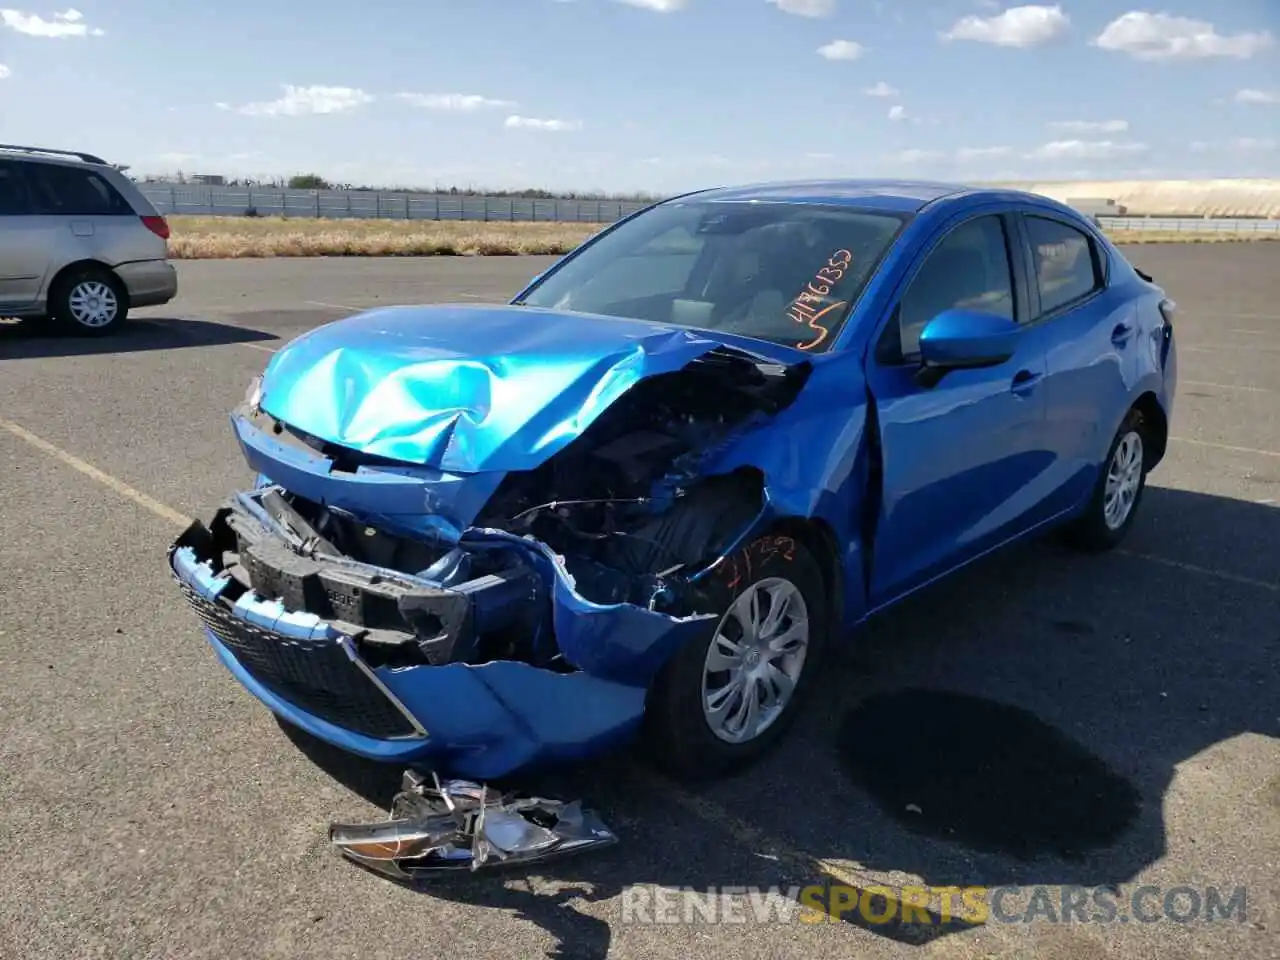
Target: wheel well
<point>1157,427</point>
<point>820,541</point>
<point>71,268</point>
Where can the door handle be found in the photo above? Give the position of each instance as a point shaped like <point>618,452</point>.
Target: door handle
<point>1120,335</point>
<point>82,228</point>
<point>1024,381</point>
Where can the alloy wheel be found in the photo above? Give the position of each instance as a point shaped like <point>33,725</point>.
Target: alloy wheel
<point>1124,477</point>
<point>755,659</point>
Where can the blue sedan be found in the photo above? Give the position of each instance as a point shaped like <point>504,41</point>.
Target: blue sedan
<point>640,499</point>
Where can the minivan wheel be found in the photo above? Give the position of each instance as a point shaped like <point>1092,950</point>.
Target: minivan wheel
<point>89,302</point>
<point>729,696</point>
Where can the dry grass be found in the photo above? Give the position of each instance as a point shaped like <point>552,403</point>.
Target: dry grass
<point>204,238</point>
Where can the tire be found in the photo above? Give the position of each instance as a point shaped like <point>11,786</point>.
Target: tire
<point>89,302</point>
<point>678,731</point>
<point>1106,520</point>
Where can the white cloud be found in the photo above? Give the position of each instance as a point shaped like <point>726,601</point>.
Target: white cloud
<point>658,6</point>
<point>880,89</point>
<point>5,71</point>
<point>842,50</point>
<point>69,23</point>
<point>917,156</point>
<point>306,101</point>
<point>981,153</point>
<point>1255,143</point>
<point>1237,145</point>
<point>456,102</point>
<point>1160,36</point>
<point>806,8</point>
<point>1086,150</point>
<point>1258,96</point>
<point>517,122</point>
<point>1090,126</point>
<point>898,112</point>
<point>1028,26</point>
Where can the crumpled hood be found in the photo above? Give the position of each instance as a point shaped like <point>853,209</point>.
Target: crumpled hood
<point>466,388</point>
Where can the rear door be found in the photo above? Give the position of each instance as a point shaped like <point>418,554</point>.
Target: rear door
<point>1091,344</point>
<point>963,459</point>
<point>26,240</point>
<point>94,220</point>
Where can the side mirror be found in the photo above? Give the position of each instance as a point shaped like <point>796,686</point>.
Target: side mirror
<point>967,339</point>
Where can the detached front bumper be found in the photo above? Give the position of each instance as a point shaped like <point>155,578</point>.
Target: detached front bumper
<point>479,720</point>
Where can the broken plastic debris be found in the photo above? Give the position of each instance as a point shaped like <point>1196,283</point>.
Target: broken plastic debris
<point>460,825</point>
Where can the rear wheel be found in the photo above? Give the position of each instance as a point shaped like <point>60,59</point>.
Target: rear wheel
<point>728,697</point>
<point>1114,504</point>
<point>89,301</point>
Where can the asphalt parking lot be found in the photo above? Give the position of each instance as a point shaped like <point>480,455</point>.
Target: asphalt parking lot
<point>1044,719</point>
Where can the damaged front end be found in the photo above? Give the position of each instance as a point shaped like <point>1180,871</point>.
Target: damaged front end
<point>484,619</point>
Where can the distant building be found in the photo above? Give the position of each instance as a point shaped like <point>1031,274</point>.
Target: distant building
<point>209,179</point>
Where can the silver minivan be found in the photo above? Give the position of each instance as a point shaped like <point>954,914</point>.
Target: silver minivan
<point>79,243</point>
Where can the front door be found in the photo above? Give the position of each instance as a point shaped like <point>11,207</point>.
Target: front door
<point>964,460</point>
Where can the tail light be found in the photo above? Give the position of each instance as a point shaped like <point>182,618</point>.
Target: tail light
<point>157,225</point>
<point>1168,310</point>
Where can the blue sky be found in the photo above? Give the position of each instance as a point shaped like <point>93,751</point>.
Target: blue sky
<point>657,95</point>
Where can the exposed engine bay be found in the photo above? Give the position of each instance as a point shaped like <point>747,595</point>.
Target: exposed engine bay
<point>626,510</point>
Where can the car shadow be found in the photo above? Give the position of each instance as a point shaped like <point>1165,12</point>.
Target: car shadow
<point>1019,724</point>
<point>34,340</point>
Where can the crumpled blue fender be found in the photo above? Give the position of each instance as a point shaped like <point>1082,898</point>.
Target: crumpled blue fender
<point>815,466</point>
<point>619,642</point>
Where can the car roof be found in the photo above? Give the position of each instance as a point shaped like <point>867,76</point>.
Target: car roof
<point>49,155</point>
<point>899,196</point>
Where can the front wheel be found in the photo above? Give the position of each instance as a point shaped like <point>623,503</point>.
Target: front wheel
<point>1118,492</point>
<point>89,302</point>
<point>728,697</point>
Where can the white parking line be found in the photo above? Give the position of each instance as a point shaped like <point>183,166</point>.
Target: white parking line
<point>1226,446</point>
<point>93,473</point>
<point>1251,347</point>
<point>1225,386</point>
<point>332,306</point>
<point>258,346</point>
<point>1204,571</point>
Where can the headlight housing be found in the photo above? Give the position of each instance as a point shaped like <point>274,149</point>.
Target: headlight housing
<point>253,395</point>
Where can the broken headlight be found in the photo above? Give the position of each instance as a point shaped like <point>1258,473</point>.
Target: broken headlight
<point>253,395</point>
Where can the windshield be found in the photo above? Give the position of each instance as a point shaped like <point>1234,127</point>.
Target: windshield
<point>783,272</point>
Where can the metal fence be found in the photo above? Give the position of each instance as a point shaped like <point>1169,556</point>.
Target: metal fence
<point>339,204</point>
<point>1189,225</point>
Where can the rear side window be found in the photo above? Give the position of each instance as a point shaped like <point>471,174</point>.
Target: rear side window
<point>1066,263</point>
<point>13,190</point>
<point>75,192</point>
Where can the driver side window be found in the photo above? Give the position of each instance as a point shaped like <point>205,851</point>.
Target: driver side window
<point>969,269</point>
